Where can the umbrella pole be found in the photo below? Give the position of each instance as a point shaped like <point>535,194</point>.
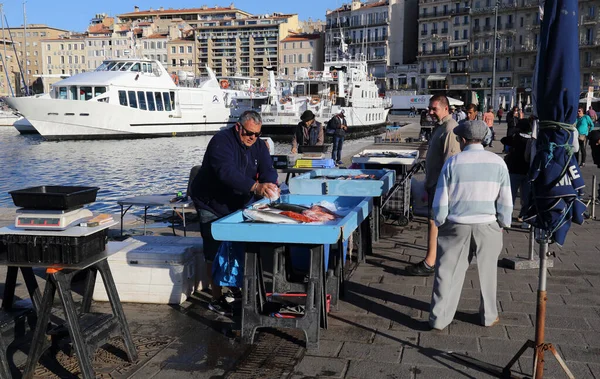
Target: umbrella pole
<point>594,197</point>
<point>539,345</point>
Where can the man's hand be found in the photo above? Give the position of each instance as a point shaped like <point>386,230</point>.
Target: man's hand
<point>269,190</point>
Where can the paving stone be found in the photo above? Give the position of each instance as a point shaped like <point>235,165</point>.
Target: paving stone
<point>592,338</point>
<point>495,345</point>
<point>367,369</point>
<point>327,348</point>
<point>401,281</point>
<point>448,342</point>
<point>368,321</point>
<point>555,310</point>
<point>459,328</point>
<point>574,323</point>
<point>564,336</point>
<point>516,319</point>
<point>394,337</point>
<point>371,352</point>
<point>347,333</point>
<point>449,373</point>
<point>322,367</point>
<point>387,290</point>
<point>552,370</point>
<point>583,354</point>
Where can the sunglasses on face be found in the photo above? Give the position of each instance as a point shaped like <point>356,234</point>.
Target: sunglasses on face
<point>247,133</point>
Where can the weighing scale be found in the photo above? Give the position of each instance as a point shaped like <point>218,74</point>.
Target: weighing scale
<point>51,219</point>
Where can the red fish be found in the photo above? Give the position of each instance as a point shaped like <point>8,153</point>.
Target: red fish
<point>297,216</point>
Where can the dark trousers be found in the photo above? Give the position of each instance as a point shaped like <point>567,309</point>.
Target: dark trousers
<point>581,154</point>
<point>336,152</point>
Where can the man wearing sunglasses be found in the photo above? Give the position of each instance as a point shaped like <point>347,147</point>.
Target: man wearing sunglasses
<point>236,169</point>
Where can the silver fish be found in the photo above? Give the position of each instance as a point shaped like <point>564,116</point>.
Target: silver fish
<point>269,217</point>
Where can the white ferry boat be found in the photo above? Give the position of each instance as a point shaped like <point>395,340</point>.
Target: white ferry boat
<point>125,98</point>
<point>342,85</point>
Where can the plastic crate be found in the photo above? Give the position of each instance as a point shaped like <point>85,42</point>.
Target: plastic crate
<point>54,197</point>
<point>315,163</point>
<point>280,161</point>
<point>54,250</point>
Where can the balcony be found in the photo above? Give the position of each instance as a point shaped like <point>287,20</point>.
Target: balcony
<point>587,19</point>
<point>459,70</point>
<point>476,29</point>
<point>423,71</point>
<point>499,26</point>
<point>461,10</point>
<point>529,4</point>
<point>432,15</point>
<point>444,30</point>
<point>487,28</point>
<point>486,69</point>
<point>423,32</point>
<point>434,31</point>
<point>509,25</point>
<point>433,70</point>
<point>587,43</point>
<point>434,52</point>
<point>444,69</point>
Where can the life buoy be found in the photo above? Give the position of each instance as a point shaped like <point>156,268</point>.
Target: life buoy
<point>311,74</point>
<point>224,83</point>
<point>334,74</point>
<point>284,100</point>
<point>315,100</point>
<point>261,90</point>
<point>175,78</point>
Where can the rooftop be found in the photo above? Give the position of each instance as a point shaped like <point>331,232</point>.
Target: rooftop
<point>162,11</point>
<point>301,37</point>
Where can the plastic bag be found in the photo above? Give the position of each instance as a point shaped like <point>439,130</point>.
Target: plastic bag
<point>228,266</point>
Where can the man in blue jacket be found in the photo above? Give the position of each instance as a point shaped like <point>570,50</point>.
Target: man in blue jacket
<point>236,168</point>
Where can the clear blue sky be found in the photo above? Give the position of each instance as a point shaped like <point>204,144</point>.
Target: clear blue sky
<point>75,14</point>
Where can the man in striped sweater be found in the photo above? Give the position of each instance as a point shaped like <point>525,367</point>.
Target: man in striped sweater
<point>472,204</point>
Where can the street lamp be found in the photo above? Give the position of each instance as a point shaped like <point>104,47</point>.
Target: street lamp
<point>495,51</point>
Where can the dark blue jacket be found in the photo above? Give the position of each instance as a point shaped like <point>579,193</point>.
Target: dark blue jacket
<point>313,134</point>
<point>229,170</point>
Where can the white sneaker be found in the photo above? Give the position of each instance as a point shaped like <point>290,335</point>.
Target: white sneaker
<point>525,226</point>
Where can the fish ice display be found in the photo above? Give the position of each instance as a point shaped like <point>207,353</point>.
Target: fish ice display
<point>285,213</point>
<point>265,216</point>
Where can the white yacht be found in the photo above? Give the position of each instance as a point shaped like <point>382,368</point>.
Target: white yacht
<point>342,85</point>
<point>125,98</point>
<point>242,93</point>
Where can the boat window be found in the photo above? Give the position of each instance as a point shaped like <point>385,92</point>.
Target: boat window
<point>151,106</point>
<point>136,67</point>
<point>126,66</point>
<point>110,65</point>
<point>167,101</point>
<point>142,100</point>
<point>172,100</point>
<point>159,103</point>
<point>122,98</point>
<point>118,66</point>
<point>85,93</point>
<point>73,93</point>
<point>99,91</point>
<point>102,67</point>
<point>132,99</point>
<point>62,93</point>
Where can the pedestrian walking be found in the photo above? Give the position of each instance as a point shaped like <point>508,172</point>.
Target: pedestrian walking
<point>488,118</point>
<point>584,127</point>
<point>442,145</point>
<point>500,113</point>
<point>471,206</point>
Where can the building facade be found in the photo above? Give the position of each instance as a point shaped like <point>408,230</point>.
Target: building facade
<point>62,57</point>
<point>27,42</point>
<point>301,51</point>
<point>229,40</point>
<point>181,56</point>
<point>5,71</point>
<point>456,49</point>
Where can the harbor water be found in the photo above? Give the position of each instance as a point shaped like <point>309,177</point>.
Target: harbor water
<point>120,168</point>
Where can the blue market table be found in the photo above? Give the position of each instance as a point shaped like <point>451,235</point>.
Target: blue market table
<point>328,182</point>
<point>265,238</point>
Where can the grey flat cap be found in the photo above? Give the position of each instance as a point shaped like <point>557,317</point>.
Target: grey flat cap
<point>471,130</point>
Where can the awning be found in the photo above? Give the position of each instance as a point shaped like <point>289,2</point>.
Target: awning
<point>455,102</point>
<point>433,78</point>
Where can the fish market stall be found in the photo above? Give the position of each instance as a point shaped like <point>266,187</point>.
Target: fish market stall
<point>404,162</point>
<point>272,232</point>
<point>342,182</point>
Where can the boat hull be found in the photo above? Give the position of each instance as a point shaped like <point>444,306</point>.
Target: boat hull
<point>59,120</point>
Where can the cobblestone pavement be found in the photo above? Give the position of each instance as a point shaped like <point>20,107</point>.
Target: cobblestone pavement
<point>380,329</point>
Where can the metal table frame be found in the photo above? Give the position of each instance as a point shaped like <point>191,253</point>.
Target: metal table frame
<point>156,201</point>
<point>96,329</point>
<point>291,172</point>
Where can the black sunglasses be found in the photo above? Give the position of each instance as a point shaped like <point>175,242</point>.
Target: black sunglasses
<point>248,133</point>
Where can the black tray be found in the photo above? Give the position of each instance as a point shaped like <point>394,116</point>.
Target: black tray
<point>54,197</point>
<point>53,249</point>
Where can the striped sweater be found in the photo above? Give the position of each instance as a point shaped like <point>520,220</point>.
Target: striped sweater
<point>473,188</point>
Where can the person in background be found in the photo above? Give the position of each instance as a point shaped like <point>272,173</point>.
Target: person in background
<point>512,119</point>
<point>472,113</point>
<point>593,115</point>
<point>461,115</point>
<point>517,162</point>
<point>236,169</point>
<point>500,113</point>
<point>341,126</point>
<point>470,215</point>
<point>453,113</point>
<point>584,127</point>
<point>488,118</point>
<point>442,145</point>
<point>309,132</point>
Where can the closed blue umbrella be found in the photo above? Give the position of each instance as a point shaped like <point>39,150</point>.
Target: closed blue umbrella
<point>556,178</point>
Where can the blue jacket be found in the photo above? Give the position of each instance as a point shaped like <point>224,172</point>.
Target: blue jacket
<point>229,170</point>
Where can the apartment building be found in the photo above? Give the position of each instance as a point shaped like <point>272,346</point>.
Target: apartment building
<point>456,48</point>
<point>5,72</point>
<point>181,56</point>
<point>301,51</point>
<point>27,42</point>
<point>62,57</point>
<point>108,39</point>
<point>229,40</point>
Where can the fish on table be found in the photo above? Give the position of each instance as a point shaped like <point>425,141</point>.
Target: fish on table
<point>285,213</point>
